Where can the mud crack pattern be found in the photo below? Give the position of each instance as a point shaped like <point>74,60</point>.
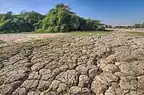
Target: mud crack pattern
<point>107,65</point>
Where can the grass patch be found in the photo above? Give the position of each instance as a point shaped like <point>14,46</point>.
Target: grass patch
<point>41,31</point>
<point>89,33</point>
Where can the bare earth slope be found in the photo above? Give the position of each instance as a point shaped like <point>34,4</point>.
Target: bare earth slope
<point>107,65</point>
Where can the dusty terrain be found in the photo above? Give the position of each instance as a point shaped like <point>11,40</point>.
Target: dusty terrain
<point>24,37</point>
<point>88,65</point>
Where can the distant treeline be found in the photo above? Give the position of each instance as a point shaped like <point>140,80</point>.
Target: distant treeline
<point>58,19</point>
<point>128,26</point>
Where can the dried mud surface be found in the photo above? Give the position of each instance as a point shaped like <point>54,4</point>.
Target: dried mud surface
<point>24,37</point>
<point>93,65</point>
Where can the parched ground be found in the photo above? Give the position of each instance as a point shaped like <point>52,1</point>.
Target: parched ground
<point>24,37</point>
<point>71,65</point>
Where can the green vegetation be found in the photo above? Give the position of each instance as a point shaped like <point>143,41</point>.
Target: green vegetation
<point>23,22</point>
<point>58,19</point>
<point>90,33</point>
<point>132,26</point>
<point>61,19</point>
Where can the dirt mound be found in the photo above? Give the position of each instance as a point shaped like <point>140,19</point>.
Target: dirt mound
<point>108,65</point>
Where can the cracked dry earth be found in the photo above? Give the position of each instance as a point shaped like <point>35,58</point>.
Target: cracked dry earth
<point>107,65</point>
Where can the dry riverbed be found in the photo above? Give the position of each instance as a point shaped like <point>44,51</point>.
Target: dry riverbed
<point>24,37</point>
<point>73,65</point>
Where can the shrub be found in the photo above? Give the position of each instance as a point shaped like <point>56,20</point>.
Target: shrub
<point>40,31</point>
<point>64,28</point>
<point>100,28</point>
<point>50,30</point>
<point>57,29</point>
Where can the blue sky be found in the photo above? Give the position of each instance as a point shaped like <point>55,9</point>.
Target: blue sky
<point>115,12</point>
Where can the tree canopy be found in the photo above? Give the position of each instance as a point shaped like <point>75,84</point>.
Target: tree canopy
<point>24,22</point>
<point>59,19</point>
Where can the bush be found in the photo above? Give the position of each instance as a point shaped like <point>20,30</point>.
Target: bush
<point>57,29</point>
<point>64,28</point>
<point>40,31</point>
<point>50,30</point>
<point>100,28</point>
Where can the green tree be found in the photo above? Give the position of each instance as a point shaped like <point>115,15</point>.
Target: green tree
<point>23,22</point>
<point>137,26</point>
<point>62,17</point>
<point>33,18</point>
<point>59,19</point>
